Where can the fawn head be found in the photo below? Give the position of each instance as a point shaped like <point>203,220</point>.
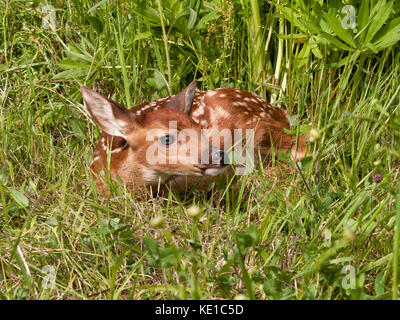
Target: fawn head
<point>162,143</point>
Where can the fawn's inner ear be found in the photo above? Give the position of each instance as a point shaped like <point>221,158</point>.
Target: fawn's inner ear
<point>113,118</point>
<point>183,100</point>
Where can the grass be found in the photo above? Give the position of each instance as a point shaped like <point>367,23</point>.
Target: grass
<point>324,229</point>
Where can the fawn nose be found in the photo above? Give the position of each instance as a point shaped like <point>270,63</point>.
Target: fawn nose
<point>220,157</point>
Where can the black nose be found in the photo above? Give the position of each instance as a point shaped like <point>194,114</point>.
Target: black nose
<point>220,157</point>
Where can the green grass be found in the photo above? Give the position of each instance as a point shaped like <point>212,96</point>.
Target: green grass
<point>288,235</point>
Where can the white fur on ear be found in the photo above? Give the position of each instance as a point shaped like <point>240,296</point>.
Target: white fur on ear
<point>111,117</point>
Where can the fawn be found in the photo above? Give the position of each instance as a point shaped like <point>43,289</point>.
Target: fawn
<point>147,146</point>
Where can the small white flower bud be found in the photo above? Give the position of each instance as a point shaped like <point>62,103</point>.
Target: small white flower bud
<point>193,211</point>
<point>157,221</point>
<point>314,135</point>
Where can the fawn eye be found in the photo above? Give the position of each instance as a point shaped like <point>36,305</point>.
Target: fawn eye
<point>167,140</point>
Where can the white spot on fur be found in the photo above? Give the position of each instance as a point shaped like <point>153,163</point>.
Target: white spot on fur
<point>204,123</point>
<point>199,111</point>
<point>211,93</point>
<point>260,100</point>
<point>94,160</point>
<point>212,115</point>
<point>239,104</point>
<point>116,150</point>
<point>221,112</point>
<point>287,116</point>
<point>257,98</point>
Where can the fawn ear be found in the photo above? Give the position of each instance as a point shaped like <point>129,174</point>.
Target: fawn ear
<point>112,117</point>
<point>184,99</point>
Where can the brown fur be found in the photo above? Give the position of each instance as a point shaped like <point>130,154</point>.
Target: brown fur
<point>216,109</point>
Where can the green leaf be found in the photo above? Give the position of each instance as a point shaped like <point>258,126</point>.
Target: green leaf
<point>341,260</point>
<point>151,16</point>
<point>19,198</point>
<point>379,285</point>
<point>78,54</point>
<point>95,23</point>
<point>309,25</point>
<point>115,268</point>
<point>152,247</point>
<point>52,221</point>
<point>380,14</point>
<point>293,18</point>
<point>213,15</point>
<point>303,55</point>
<point>71,74</point>
<point>306,162</point>
<point>338,29</point>
<point>336,41</point>
<point>390,37</point>
<point>371,47</point>
<point>270,288</point>
<point>113,224</point>
<point>97,5</point>
<point>248,238</point>
<point>170,256</point>
<point>340,63</point>
<point>363,15</point>
<point>303,129</point>
<point>192,18</point>
<point>67,64</point>
<point>142,35</point>
<point>3,176</point>
<point>317,53</point>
